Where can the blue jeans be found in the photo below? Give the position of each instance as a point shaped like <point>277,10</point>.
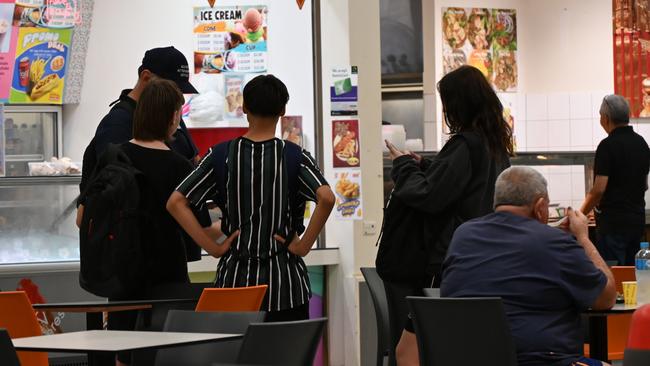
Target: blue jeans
<point>619,247</point>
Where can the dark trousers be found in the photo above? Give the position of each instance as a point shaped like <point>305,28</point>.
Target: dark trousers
<point>300,312</point>
<point>619,247</point>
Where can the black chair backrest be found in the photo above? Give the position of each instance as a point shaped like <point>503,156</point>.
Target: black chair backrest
<point>462,331</point>
<point>8,354</point>
<point>282,343</point>
<point>636,357</point>
<point>206,322</point>
<point>378,294</point>
<point>398,312</point>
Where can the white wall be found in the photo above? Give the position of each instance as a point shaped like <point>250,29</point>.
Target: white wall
<point>564,49</point>
<point>123,30</point>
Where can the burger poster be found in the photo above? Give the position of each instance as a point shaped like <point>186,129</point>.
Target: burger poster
<point>40,64</point>
<point>345,143</point>
<point>483,38</point>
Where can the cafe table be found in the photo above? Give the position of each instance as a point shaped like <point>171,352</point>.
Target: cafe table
<point>101,342</point>
<point>598,329</point>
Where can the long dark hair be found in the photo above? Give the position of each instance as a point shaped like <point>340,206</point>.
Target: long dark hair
<point>470,104</point>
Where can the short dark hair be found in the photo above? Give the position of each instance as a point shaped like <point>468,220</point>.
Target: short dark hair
<point>156,106</point>
<point>265,96</point>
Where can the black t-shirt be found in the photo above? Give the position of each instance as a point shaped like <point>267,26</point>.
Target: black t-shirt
<point>542,274</point>
<point>165,247</point>
<point>624,158</point>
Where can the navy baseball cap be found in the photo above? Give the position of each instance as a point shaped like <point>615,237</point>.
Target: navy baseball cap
<point>169,63</point>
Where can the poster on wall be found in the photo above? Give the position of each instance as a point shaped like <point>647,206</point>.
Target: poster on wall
<point>345,143</point>
<point>343,91</point>
<point>40,64</point>
<point>632,54</point>
<point>8,37</point>
<point>230,48</point>
<point>348,195</point>
<point>483,38</point>
<point>291,127</point>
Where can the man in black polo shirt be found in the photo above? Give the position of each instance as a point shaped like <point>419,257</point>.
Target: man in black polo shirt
<point>116,127</point>
<point>621,179</point>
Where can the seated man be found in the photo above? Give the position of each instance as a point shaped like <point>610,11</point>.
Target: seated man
<point>544,275</point>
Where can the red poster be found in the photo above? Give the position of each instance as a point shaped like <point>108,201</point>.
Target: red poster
<point>8,36</point>
<point>345,143</point>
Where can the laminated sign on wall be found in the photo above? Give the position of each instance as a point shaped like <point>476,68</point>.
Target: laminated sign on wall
<point>230,49</point>
<point>343,91</point>
<point>347,188</point>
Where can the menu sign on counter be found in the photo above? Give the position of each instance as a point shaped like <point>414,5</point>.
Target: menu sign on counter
<point>40,64</point>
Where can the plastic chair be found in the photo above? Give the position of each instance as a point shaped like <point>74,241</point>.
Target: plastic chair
<point>431,292</point>
<point>282,343</point>
<point>462,331</point>
<point>378,294</point>
<point>213,322</point>
<point>398,311</point>
<point>7,352</point>
<point>618,326</point>
<point>232,299</point>
<point>639,338</point>
<point>18,317</point>
<point>636,357</point>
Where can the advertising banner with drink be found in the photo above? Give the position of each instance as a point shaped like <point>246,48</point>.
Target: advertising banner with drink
<point>39,69</point>
<point>8,35</point>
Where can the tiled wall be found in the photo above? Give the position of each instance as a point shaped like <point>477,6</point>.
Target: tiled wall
<point>562,122</point>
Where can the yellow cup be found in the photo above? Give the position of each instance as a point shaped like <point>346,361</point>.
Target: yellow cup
<point>629,292</point>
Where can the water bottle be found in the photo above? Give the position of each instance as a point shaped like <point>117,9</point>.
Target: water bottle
<point>642,262</point>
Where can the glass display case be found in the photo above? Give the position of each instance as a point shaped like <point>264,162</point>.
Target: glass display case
<point>38,191</point>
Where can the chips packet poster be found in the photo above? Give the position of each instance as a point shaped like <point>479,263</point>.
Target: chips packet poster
<point>39,69</point>
<point>348,194</point>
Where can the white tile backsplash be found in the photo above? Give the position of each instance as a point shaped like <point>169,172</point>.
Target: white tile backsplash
<point>581,132</point>
<point>558,106</point>
<point>520,134</point>
<point>536,107</point>
<point>580,106</point>
<point>521,107</point>
<point>596,101</point>
<point>599,133</point>
<point>537,135</point>
<point>643,129</point>
<point>558,137</point>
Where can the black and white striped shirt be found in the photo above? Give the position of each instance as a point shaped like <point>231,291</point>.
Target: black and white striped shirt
<point>257,204</point>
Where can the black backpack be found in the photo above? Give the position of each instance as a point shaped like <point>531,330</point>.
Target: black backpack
<point>112,228</point>
<point>292,159</point>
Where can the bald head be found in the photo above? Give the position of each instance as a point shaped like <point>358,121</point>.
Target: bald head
<point>519,186</point>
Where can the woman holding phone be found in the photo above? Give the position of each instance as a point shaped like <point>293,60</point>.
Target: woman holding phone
<point>431,198</point>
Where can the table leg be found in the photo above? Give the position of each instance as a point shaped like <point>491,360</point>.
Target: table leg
<point>598,337</point>
<point>95,321</point>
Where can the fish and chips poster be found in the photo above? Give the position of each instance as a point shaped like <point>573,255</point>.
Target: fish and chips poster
<point>40,64</point>
<point>230,48</point>
<point>348,195</point>
<point>483,38</point>
<point>345,143</point>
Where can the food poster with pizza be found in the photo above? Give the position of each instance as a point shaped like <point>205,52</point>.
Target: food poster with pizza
<point>345,144</point>
<point>229,49</point>
<point>483,38</point>
<point>8,37</point>
<point>291,129</point>
<point>347,188</point>
<point>40,64</point>
<point>344,91</point>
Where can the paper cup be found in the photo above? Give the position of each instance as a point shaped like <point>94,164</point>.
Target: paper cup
<point>629,292</point>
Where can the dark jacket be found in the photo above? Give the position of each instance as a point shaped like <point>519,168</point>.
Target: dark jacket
<point>429,201</point>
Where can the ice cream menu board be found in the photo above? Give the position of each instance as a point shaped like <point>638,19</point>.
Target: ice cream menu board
<point>483,38</point>
<point>230,48</point>
<point>345,143</point>
<point>40,63</point>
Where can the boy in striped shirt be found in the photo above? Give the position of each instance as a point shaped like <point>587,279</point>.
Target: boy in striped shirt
<point>259,203</point>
